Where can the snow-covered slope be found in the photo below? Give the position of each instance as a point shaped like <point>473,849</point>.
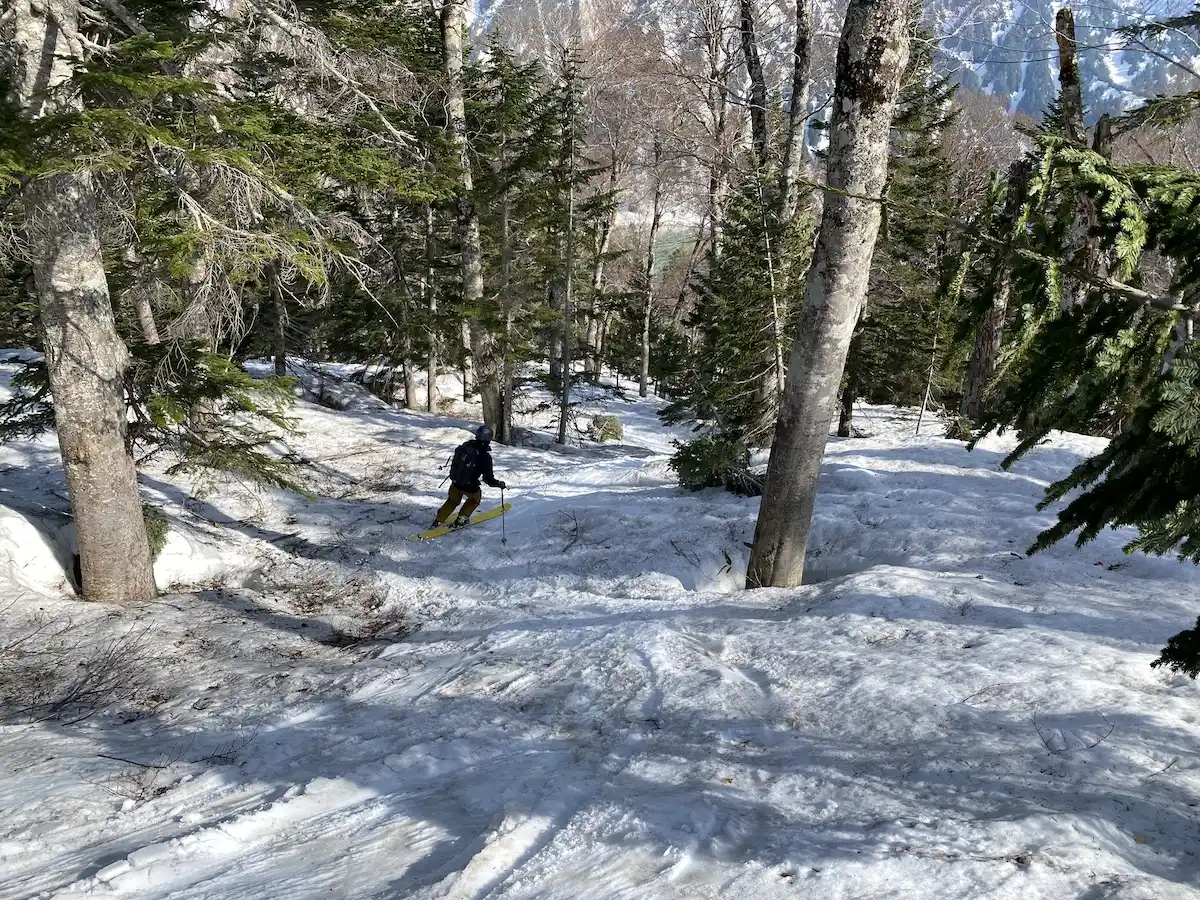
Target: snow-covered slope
<point>1001,47</point>
<point>590,709</point>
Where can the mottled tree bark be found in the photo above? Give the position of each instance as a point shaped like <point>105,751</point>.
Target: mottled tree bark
<point>85,357</point>
<point>872,55</point>
<point>1070,89</point>
<point>568,311</point>
<point>508,375</point>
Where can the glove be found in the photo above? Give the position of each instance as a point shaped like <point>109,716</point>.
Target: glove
<point>501,485</point>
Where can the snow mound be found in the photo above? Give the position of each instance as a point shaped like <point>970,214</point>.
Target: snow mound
<point>33,556</point>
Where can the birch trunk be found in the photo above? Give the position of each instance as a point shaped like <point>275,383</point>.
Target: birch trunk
<point>85,357</point>
<point>409,373</point>
<point>602,340</point>
<point>685,286</point>
<point>871,58</point>
<point>477,337</point>
<point>554,299</point>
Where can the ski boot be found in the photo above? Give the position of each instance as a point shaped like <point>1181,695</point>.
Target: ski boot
<point>460,522</point>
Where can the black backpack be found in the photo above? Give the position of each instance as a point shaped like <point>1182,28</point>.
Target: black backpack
<point>464,468</point>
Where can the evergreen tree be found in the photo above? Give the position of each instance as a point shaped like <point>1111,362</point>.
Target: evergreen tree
<point>1122,362</point>
<point>739,302</point>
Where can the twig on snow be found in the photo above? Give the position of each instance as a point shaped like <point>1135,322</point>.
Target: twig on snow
<point>131,762</point>
<point>1046,740</point>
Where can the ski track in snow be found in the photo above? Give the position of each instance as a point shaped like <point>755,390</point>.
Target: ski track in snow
<point>592,710</point>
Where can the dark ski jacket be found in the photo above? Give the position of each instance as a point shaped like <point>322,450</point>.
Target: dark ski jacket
<point>472,464</point>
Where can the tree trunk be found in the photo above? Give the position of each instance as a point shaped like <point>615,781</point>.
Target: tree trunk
<point>759,128</point>
<point>430,288</point>
<point>507,376</point>
<point>477,337</point>
<point>872,55</point>
<point>145,314</point>
<point>602,340</point>
<point>648,268</point>
<point>988,340</point>
<point>599,262</point>
<point>85,357</point>
<point>86,360</point>
<point>465,366</point>
<point>717,97</point>
<point>409,372</point>
<point>569,273</point>
<point>772,381</point>
<point>1070,89</point>
<point>1083,248</point>
<point>989,336</point>
<point>794,150</point>
<point>845,427</point>
<point>685,286</point>
<point>554,299</point>
<point>279,309</point>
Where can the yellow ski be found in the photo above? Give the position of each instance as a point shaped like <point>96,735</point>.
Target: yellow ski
<point>446,529</point>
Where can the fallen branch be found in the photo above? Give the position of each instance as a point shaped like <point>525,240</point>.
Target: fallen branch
<point>131,762</point>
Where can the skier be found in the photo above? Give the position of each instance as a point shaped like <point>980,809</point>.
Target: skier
<point>472,463</point>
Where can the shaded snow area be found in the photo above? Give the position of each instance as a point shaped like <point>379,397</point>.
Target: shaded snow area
<point>319,708</point>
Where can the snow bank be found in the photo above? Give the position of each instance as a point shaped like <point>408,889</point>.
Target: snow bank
<point>32,555</point>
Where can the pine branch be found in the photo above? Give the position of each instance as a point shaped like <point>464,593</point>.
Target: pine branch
<point>321,58</point>
<point>124,16</point>
<point>968,228</point>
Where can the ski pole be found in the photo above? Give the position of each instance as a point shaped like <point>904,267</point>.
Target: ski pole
<point>503,530</point>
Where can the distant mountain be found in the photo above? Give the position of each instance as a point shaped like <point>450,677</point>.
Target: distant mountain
<point>1000,47</point>
<point>1007,48</point>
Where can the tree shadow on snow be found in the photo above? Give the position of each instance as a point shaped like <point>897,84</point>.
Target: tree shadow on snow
<point>502,772</point>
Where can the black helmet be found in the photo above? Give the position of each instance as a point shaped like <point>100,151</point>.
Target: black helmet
<point>485,433</point>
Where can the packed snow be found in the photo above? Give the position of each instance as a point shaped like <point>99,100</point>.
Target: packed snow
<point>578,701</point>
